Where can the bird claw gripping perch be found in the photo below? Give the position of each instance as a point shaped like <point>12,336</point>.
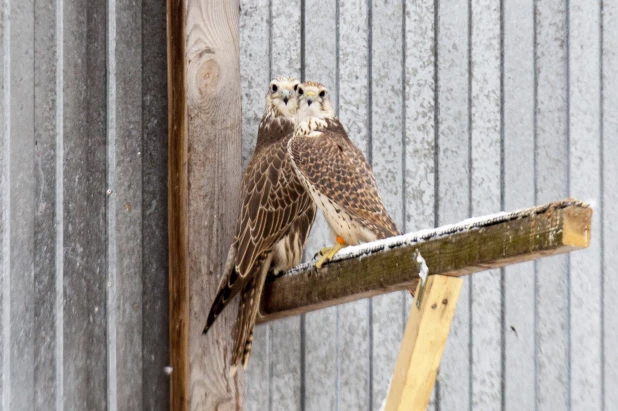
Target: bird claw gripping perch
<point>422,272</point>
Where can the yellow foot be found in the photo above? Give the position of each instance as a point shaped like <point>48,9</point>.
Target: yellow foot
<point>328,253</point>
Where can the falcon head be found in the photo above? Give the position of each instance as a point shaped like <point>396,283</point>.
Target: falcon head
<point>314,101</point>
<point>281,96</point>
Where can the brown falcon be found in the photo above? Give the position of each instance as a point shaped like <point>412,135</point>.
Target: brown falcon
<point>336,173</point>
<point>275,217</point>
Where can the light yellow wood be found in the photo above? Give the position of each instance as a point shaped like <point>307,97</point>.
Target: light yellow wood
<point>423,344</point>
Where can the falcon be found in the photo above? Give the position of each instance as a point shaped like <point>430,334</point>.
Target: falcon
<point>275,218</point>
<point>336,174</point>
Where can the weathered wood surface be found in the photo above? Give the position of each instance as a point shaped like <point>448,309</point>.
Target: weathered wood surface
<point>423,344</point>
<point>204,169</point>
<point>456,250</point>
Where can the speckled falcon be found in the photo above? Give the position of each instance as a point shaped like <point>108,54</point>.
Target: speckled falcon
<point>336,173</point>
<point>275,218</point>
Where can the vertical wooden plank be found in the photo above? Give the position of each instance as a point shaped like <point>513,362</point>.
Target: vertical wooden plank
<point>609,198</point>
<point>551,180</point>
<point>453,184</point>
<point>286,358</point>
<point>353,343</point>
<point>321,327</point>
<point>519,284</point>
<point>84,114</point>
<point>45,107</point>
<point>124,216</point>
<point>255,77</point>
<point>386,155</point>
<point>205,159</point>
<point>584,182</point>
<point>21,189</point>
<point>155,318</point>
<point>485,140</point>
<point>420,116</point>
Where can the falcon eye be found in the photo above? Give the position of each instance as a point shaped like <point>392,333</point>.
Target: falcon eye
<point>322,93</point>
<point>274,88</point>
<point>300,91</point>
<point>295,87</point>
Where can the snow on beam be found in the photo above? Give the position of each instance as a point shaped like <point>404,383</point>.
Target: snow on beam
<point>473,245</point>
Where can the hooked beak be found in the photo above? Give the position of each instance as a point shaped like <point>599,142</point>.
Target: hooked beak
<point>286,96</point>
<point>309,101</point>
<point>310,97</point>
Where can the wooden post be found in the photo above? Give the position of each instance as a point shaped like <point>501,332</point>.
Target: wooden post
<point>423,344</point>
<point>204,180</point>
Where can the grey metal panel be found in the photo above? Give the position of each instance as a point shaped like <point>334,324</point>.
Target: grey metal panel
<point>45,247</point>
<point>255,77</point>
<point>321,327</point>
<point>609,198</point>
<point>155,340</point>
<point>519,176</point>
<point>552,340</point>
<point>485,190</point>
<point>124,206</point>
<point>84,124</point>
<point>386,125</point>
<point>585,182</point>
<point>22,206</point>
<point>353,342</point>
<point>286,350</point>
<point>5,227</point>
<point>453,184</point>
<point>419,166</point>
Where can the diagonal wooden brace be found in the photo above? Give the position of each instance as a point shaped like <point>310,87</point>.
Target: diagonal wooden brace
<point>423,344</point>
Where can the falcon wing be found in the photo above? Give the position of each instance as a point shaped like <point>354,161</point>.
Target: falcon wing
<point>272,198</point>
<point>335,167</point>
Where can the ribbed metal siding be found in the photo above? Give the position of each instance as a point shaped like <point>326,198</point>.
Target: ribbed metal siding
<point>84,205</point>
<point>463,108</point>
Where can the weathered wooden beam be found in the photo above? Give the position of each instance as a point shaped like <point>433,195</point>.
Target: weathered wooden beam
<point>423,344</point>
<point>204,183</point>
<point>473,245</point>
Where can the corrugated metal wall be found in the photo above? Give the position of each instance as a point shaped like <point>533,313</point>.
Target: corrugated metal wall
<point>463,108</point>
<point>84,205</point>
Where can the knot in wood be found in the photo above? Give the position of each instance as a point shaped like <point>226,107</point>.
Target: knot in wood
<point>203,78</point>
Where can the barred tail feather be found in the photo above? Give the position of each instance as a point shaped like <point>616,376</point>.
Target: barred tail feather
<point>247,313</point>
<point>224,292</point>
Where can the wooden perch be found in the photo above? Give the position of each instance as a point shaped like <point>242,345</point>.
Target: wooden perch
<point>473,245</point>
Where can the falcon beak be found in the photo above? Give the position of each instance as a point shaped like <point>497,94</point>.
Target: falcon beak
<point>286,96</point>
<point>310,97</point>
<point>309,101</point>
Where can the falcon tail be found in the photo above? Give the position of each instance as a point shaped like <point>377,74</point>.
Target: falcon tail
<point>247,313</point>
<point>231,283</point>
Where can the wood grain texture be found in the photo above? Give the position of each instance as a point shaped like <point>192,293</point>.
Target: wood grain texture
<point>519,176</point>
<point>609,197</point>
<point>485,190</point>
<point>321,327</point>
<point>205,159</point>
<point>453,191</point>
<point>552,293</point>
<point>585,181</point>
<point>422,345</point>
<point>353,343</point>
<point>460,250</point>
